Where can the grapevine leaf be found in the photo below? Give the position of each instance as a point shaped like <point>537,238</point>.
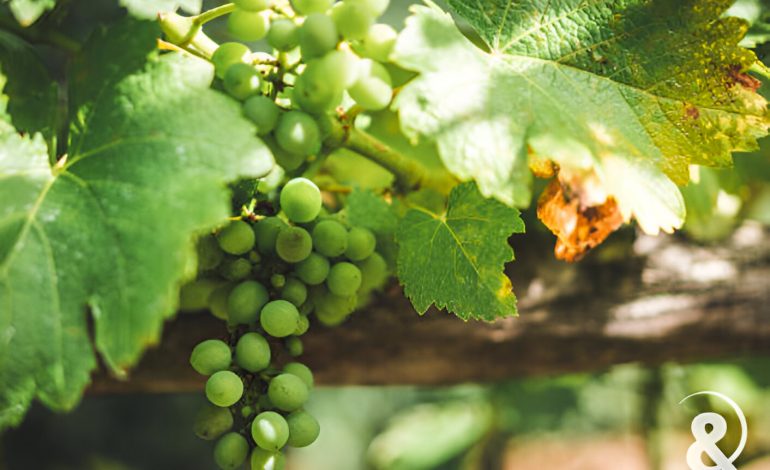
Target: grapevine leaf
<point>28,11</point>
<point>627,91</point>
<point>149,9</point>
<point>455,260</point>
<point>366,209</point>
<point>109,228</point>
<point>31,92</point>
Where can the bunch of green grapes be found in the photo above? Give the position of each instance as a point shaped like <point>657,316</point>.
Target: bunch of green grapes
<point>269,278</point>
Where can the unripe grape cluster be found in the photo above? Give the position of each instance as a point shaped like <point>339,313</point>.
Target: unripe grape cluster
<point>269,277</point>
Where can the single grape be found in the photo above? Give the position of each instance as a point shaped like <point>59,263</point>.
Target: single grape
<point>287,392</point>
<point>313,270</point>
<point>194,295</point>
<point>378,42</point>
<point>303,428</point>
<point>254,257</point>
<point>283,35</point>
<point>306,7</point>
<point>247,411</point>
<point>294,291</point>
<point>262,459</point>
<point>315,92</point>
<point>302,325</point>
<point>252,352</point>
<point>294,346</point>
<point>270,430</point>
<point>297,133</point>
<point>224,388</point>
<point>266,233</point>
<point>252,5</point>
<point>263,112</point>
<point>340,66</point>
<point>376,7</point>
<point>245,301</point>
<point>247,25</point>
<point>241,81</point>
<point>373,88</point>
<point>279,318</point>
<point>227,54</point>
<point>352,19</point>
<point>361,244</point>
<point>236,238</point>
<point>344,279</point>
<point>374,272</point>
<point>210,356</point>
<point>317,36</point>
<point>209,253</point>
<point>293,244</point>
<point>330,309</point>
<point>301,200</point>
<point>218,301</point>
<point>330,238</point>
<point>212,421</point>
<point>302,371</point>
<point>231,451</point>
<point>235,269</point>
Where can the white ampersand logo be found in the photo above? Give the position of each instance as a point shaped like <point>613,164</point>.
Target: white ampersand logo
<point>706,440</point>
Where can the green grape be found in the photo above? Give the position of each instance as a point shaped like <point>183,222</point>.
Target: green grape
<point>241,81</point>
<point>301,200</point>
<point>317,36</point>
<point>298,134</point>
<point>263,112</point>
<point>247,411</point>
<point>376,7</point>
<point>254,257</point>
<point>210,356</point>
<point>330,238</point>
<point>231,451</point>
<point>266,233</point>
<point>287,161</point>
<point>331,310</point>
<point>361,244</point>
<point>252,5</point>
<point>352,19</point>
<point>212,421</point>
<point>224,388</point>
<point>294,346</point>
<point>378,42</point>
<point>339,66</point>
<point>294,291</point>
<point>287,392</point>
<point>313,270</point>
<point>277,281</point>
<point>252,352</point>
<point>293,244</point>
<point>262,459</point>
<point>303,428</point>
<point>209,253</point>
<point>374,272</point>
<point>245,301</point>
<point>236,238</point>
<point>247,25</point>
<point>344,279</point>
<point>316,93</point>
<point>279,318</point>
<point>270,430</point>
<point>227,54</point>
<point>306,7</point>
<point>302,325</point>
<point>373,88</point>
<point>283,35</point>
<point>194,295</point>
<point>235,269</point>
<point>302,371</point>
<point>218,301</point>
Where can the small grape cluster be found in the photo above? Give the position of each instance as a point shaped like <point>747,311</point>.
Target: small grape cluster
<point>324,50</point>
<point>264,278</point>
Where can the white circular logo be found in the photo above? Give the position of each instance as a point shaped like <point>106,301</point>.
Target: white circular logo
<point>706,439</point>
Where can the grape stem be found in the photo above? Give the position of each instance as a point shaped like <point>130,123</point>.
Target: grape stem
<point>410,174</point>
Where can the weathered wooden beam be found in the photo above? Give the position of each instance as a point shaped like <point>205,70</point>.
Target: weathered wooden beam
<point>666,300</point>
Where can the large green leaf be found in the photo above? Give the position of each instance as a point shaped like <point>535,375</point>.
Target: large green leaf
<point>109,229</point>
<point>455,260</point>
<point>626,91</point>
